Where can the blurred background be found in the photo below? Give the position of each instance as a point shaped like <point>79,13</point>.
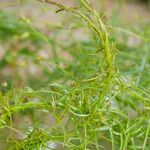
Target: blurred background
<point>32,37</point>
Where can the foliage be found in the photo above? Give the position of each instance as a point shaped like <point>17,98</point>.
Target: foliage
<point>95,102</point>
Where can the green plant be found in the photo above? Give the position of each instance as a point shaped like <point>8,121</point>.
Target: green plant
<point>93,110</point>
